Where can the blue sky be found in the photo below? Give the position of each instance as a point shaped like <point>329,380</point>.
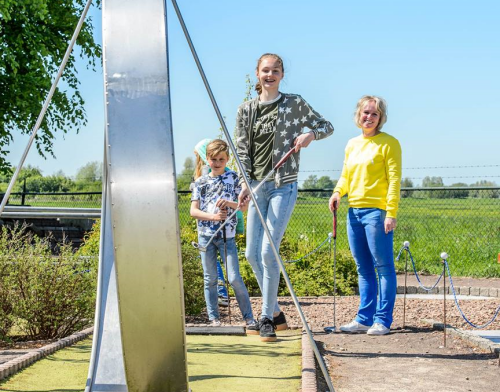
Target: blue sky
<point>435,62</point>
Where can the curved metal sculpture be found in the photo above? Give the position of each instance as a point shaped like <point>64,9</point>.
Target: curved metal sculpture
<point>139,343</point>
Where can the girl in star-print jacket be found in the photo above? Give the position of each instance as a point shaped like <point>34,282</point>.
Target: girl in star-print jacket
<point>267,127</point>
<point>294,114</point>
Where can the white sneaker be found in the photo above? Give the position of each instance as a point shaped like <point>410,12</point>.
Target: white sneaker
<point>378,329</point>
<point>216,323</point>
<point>354,327</point>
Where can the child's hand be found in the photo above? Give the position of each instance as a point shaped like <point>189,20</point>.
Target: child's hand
<point>222,204</point>
<point>221,215</point>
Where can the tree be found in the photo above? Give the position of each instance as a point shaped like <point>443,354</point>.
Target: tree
<point>91,172</point>
<point>406,183</point>
<point>325,182</point>
<point>34,36</point>
<point>310,182</point>
<point>184,179</point>
<point>461,193</point>
<point>428,182</point>
<point>484,193</point>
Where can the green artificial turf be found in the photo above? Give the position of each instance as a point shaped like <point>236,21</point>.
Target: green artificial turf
<point>215,363</point>
<point>64,371</point>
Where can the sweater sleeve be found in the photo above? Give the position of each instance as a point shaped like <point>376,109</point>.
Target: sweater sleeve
<point>393,172</point>
<point>315,121</point>
<point>243,138</point>
<point>342,186</point>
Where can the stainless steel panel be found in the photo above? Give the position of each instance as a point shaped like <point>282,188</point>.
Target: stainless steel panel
<point>107,370</point>
<point>143,195</point>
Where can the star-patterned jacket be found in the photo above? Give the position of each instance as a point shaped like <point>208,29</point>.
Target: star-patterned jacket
<point>294,113</point>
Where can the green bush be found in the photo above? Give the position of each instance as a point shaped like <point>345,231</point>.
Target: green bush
<point>51,296</point>
<point>314,275</point>
<point>192,272</point>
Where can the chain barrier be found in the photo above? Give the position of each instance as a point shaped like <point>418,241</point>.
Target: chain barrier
<point>406,248</point>
<point>328,239</point>
<point>458,306</point>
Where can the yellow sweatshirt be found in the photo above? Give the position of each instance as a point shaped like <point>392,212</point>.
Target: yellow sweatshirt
<point>371,175</point>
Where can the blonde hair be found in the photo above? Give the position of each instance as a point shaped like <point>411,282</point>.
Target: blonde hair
<point>258,86</point>
<point>198,166</point>
<point>380,105</point>
<point>217,146</point>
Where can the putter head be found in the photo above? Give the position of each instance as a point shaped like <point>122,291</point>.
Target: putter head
<point>330,329</point>
<point>199,247</point>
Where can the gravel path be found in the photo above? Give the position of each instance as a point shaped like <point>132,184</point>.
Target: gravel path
<point>319,312</point>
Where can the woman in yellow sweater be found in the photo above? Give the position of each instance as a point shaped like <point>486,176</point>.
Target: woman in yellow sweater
<point>371,177</point>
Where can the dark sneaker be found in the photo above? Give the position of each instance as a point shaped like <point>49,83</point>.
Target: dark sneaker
<point>279,322</point>
<point>222,301</point>
<point>266,331</point>
<point>252,327</point>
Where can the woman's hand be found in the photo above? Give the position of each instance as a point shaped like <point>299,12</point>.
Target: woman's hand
<point>389,224</point>
<point>303,141</point>
<point>335,198</point>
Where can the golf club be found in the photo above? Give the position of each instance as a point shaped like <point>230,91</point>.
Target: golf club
<point>271,172</point>
<point>334,234</point>
<point>227,275</point>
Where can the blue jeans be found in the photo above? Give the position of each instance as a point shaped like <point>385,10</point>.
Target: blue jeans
<point>221,288</point>
<point>209,262</point>
<point>276,206</point>
<point>372,248</point>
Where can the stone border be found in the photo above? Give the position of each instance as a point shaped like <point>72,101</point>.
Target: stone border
<point>14,365</point>
<point>459,290</point>
<point>309,383</point>
<point>474,339</point>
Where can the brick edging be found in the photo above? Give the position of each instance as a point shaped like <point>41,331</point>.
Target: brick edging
<point>309,383</point>
<point>459,290</point>
<point>14,365</point>
<point>474,339</point>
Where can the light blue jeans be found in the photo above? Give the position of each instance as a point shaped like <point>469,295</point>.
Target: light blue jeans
<point>209,262</point>
<point>372,248</point>
<point>276,206</point>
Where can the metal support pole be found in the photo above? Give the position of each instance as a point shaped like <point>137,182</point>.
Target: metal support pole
<point>45,105</point>
<point>319,358</point>
<point>404,294</point>
<point>444,256</point>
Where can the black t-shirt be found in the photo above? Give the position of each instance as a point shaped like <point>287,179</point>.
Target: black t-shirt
<point>263,137</point>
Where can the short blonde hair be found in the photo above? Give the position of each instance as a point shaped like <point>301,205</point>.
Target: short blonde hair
<point>380,105</point>
<point>217,146</point>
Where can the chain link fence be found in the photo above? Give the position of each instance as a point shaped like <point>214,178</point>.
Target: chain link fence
<point>464,222</point>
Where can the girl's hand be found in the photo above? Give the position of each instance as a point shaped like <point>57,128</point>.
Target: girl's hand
<point>243,197</point>
<point>389,224</point>
<point>303,141</point>
<point>335,198</point>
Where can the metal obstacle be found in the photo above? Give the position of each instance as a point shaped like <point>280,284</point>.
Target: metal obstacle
<point>139,342</point>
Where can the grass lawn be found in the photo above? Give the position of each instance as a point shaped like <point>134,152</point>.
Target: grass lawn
<point>215,363</point>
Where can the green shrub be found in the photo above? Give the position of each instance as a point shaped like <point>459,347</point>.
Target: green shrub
<point>51,296</point>
<point>91,241</point>
<point>192,272</point>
